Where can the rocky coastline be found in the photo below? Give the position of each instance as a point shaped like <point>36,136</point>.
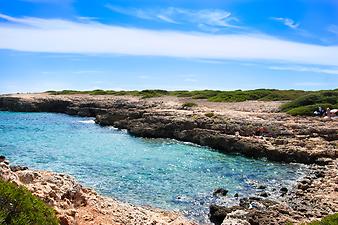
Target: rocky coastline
<point>257,131</point>
<point>77,205</point>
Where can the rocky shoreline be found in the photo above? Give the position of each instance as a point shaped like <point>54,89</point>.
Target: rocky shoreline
<point>257,131</point>
<point>77,205</point>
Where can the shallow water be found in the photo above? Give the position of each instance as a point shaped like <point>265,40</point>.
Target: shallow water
<point>157,172</point>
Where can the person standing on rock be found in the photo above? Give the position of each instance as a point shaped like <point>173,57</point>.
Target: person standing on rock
<point>328,113</point>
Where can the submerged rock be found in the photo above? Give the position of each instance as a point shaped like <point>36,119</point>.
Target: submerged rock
<point>220,192</point>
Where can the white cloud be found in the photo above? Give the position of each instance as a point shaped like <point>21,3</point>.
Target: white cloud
<point>305,69</point>
<point>287,22</point>
<point>201,18</point>
<point>62,36</point>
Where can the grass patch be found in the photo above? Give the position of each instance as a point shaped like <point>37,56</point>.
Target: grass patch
<point>301,102</point>
<point>211,95</point>
<point>189,104</point>
<point>209,114</point>
<point>327,220</point>
<point>19,207</point>
<point>307,104</point>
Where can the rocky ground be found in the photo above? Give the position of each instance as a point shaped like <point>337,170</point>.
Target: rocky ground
<point>314,196</point>
<point>77,205</point>
<point>254,129</point>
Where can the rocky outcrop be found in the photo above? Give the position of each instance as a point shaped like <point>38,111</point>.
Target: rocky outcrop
<point>275,136</point>
<point>77,205</point>
<point>314,197</point>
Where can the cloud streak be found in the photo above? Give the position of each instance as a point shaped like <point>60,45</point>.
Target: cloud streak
<point>333,29</point>
<point>86,37</point>
<point>201,18</point>
<point>305,69</point>
<point>287,22</point>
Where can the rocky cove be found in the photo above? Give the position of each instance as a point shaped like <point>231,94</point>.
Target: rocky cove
<point>253,129</point>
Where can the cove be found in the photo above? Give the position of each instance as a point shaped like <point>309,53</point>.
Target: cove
<point>158,172</point>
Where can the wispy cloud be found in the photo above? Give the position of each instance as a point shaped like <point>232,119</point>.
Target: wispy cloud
<point>201,18</point>
<point>333,29</point>
<point>63,36</point>
<point>287,22</point>
<point>306,69</point>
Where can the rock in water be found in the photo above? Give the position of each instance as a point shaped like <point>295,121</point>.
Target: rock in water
<point>220,192</point>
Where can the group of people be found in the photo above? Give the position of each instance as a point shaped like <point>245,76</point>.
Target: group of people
<point>327,114</point>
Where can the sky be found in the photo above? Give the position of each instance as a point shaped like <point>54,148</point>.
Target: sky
<point>168,44</point>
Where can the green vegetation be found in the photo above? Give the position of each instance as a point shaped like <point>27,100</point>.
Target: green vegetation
<point>19,207</point>
<point>143,94</point>
<point>211,95</point>
<point>305,105</point>
<point>301,102</point>
<point>189,104</point>
<point>210,114</point>
<point>327,220</point>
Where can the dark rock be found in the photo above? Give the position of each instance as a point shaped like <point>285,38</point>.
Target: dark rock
<point>218,213</point>
<point>18,168</point>
<point>284,191</point>
<point>324,161</point>
<point>261,187</point>
<point>319,174</point>
<point>236,195</point>
<point>264,194</point>
<point>2,158</point>
<point>220,192</point>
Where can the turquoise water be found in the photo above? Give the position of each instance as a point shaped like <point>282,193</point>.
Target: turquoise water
<point>157,172</point>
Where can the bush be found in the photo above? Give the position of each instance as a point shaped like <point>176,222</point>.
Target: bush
<point>306,105</point>
<point>210,114</point>
<point>307,110</point>
<point>189,104</point>
<point>328,220</point>
<point>19,207</point>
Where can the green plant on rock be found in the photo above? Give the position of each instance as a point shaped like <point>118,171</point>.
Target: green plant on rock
<point>209,114</point>
<point>327,220</point>
<point>19,207</point>
<point>189,104</point>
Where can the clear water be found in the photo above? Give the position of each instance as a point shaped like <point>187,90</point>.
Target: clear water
<point>157,172</point>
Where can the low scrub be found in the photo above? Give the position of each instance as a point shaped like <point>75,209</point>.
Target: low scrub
<point>328,220</point>
<point>306,105</point>
<point>189,104</point>
<point>19,207</point>
<point>210,114</point>
<point>300,102</point>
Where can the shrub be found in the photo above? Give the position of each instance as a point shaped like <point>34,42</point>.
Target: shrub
<point>306,105</point>
<point>209,114</point>
<point>189,104</point>
<point>19,207</point>
<point>307,110</point>
<point>327,220</point>
<point>153,93</point>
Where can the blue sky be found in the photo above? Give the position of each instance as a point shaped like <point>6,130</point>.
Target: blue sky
<point>168,44</point>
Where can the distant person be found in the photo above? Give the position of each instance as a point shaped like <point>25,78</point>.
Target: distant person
<point>328,114</point>
<point>319,112</point>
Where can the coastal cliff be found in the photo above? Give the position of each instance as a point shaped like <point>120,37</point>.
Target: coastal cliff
<point>253,129</point>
